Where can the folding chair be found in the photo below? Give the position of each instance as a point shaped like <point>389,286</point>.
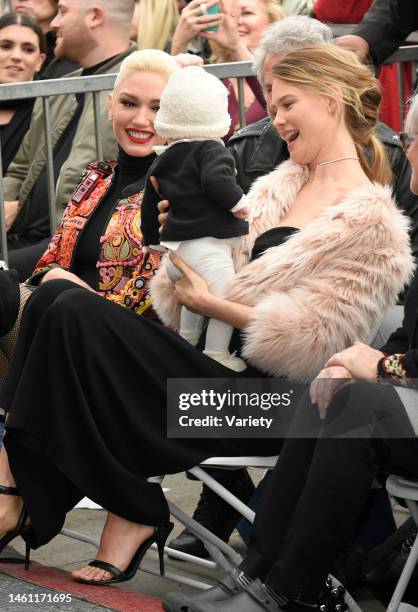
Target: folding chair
<point>407,490</point>
<point>223,554</point>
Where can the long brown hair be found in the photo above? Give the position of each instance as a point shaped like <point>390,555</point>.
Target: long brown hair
<point>326,68</point>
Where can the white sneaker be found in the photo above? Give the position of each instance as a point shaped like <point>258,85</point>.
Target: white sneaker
<point>229,361</point>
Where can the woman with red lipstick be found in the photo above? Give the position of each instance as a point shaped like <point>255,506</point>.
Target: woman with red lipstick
<point>98,243</point>
<point>22,53</point>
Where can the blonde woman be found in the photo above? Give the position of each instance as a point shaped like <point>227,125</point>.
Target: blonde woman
<point>241,24</point>
<point>154,23</point>
<point>319,487</point>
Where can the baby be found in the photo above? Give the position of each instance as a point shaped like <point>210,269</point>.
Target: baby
<point>196,174</point>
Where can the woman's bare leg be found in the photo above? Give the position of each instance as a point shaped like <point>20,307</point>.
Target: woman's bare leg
<point>118,544</point>
<point>10,505</point>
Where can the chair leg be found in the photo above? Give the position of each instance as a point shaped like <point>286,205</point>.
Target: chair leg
<point>404,578</point>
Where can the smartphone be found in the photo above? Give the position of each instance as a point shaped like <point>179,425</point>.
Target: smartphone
<point>213,10</point>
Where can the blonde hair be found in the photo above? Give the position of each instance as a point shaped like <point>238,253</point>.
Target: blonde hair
<point>157,21</point>
<point>147,60</point>
<point>325,68</point>
<point>274,10</point>
<point>274,13</point>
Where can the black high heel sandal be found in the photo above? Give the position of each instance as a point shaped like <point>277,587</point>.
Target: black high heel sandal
<point>20,530</point>
<point>159,536</point>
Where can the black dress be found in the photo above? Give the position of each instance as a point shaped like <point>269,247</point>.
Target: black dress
<point>87,399</point>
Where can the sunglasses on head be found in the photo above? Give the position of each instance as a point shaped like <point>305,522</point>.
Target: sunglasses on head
<point>406,140</point>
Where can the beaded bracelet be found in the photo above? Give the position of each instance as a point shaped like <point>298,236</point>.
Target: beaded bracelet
<point>393,366</point>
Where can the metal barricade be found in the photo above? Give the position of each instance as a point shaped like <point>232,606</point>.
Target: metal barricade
<point>88,85</point>
<point>97,83</point>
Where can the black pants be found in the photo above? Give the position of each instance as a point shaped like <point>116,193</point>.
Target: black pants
<point>87,396</point>
<point>23,256</point>
<point>320,485</point>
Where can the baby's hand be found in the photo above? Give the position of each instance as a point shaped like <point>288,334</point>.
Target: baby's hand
<point>242,213</point>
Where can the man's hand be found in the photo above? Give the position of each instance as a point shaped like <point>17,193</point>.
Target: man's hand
<point>360,360</point>
<point>354,43</point>
<point>323,387</point>
<point>10,212</point>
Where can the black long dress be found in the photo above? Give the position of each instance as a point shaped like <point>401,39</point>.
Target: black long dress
<point>86,394</point>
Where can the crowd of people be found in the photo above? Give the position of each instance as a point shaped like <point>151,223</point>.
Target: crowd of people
<point>290,237</point>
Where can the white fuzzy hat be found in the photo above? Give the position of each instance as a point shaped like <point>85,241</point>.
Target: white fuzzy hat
<point>194,104</point>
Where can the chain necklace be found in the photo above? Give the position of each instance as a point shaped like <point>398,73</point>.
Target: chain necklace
<point>333,161</point>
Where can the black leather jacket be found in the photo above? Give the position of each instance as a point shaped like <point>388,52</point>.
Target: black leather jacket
<point>258,149</point>
<point>386,24</point>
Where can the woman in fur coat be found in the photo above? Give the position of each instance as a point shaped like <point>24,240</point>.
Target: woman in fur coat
<point>351,434</point>
<point>330,252</point>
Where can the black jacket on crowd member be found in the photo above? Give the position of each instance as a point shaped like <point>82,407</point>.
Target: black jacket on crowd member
<point>386,25</point>
<point>258,148</point>
<point>404,340</point>
<point>12,133</point>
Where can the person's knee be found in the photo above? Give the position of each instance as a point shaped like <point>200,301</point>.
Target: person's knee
<point>353,407</point>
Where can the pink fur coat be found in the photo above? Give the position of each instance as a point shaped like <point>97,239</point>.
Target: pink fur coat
<point>327,286</point>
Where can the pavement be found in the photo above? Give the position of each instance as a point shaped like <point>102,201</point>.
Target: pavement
<point>47,585</point>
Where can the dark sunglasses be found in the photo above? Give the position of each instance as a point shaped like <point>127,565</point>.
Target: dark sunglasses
<point>406,140</point>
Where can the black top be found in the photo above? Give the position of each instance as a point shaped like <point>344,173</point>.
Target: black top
<point>271,238</point>
<point>199,180</point>
<point>128,179</point>
<point>386,24</point>
<point>405,339</point>
<point>12,133</point>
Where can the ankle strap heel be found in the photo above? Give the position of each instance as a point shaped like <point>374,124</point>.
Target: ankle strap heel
<point>8,490</point>
<point>159,536</point>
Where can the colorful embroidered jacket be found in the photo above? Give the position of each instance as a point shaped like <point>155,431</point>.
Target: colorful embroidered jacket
<point>123,277</point>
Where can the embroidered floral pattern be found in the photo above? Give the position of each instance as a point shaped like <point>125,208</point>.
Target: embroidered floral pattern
<point>123,278</point>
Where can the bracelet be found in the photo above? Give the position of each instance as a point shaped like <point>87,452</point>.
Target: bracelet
<point>393,366</point>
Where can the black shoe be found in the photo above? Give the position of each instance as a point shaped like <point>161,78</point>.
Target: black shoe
<point>214,513</point>
<point>21,529</point>
<point>183,602</point>
<point>159,536</point>
<point>385,563</point>
<point>255,598</point>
